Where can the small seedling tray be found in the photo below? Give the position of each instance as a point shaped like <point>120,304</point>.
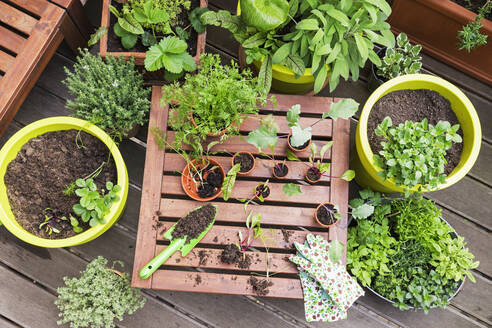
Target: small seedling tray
<point>284,219</point>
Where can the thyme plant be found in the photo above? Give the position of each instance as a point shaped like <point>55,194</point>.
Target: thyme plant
<point>470,37</point>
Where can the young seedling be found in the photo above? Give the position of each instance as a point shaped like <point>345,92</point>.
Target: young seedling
<point>266,136</point>
<point>69,189</point>
<point>318,169</point>
<point>258,192</point>
<point>327,214</point>
<point>300,137</point>
<point>54,224</point>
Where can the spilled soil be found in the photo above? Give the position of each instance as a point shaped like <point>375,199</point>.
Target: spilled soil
<point>232,255</point>
<point>260,286</point>
<point>195,222</point>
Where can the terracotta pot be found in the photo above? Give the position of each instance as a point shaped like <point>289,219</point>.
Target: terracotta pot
<point>189,185</point>
<point>132,132</point>
<point>435,24</point>
<point>276,176</point>
<point>252,168</point>
<point>256,197</point>
<point>218,134</point>
<point>319,222</point>
<point>308,179</point>
<point>139,57</point>
<point>297,149</point>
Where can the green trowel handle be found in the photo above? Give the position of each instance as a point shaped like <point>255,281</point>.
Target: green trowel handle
<point>157,261</point>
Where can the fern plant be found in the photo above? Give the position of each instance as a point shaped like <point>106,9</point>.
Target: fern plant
<point>400,60</point>
<point>107,93</point>
<point>97,297</point>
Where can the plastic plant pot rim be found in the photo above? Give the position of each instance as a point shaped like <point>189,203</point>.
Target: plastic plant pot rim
<point>283,73</point>
<point>364,149</point>
<point>16,142</point>
<point>458,289</point>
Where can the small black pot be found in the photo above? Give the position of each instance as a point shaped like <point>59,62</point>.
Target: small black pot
<point>375,80</point>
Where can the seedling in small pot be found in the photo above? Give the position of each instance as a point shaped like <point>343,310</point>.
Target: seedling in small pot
<point>299,138</point>
<point>260,193</point>
<point>246,161</point>
<point>327,215</point>
<point>316,168</point>
<point>266,136</point>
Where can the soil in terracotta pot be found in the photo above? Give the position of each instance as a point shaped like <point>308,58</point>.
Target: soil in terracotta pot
<point>414,105</point>
<point>324,216</point>
<point>313,174</point>
<point>42,169</point>
<point>212,183</point>
<point>263,190</point>
<point>304,145</point>
<point>476,5</point>
<point>194,223</point>
<point>232,255</point>
<point>260,286</point>
<point>245,160</point>
<point>114,41</point>
<point>281,170</point>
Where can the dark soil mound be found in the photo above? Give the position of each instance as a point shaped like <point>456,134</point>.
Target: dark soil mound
<point>260,286</point>
<point>245,160</point>
<point>194,223</point>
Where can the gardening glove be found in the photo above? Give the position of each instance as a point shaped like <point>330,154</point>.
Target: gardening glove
<point>314,261</point>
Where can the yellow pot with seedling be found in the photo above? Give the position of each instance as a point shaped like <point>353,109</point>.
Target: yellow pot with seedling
<point>363,163</point>
<point>9,152</point>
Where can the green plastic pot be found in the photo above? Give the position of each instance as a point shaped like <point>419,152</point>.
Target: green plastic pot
<point>9,152</point>
<point>283,78</point>
<point>363,163</point>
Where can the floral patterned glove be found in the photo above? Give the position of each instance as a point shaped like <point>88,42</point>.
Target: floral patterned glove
<point>328,289</point>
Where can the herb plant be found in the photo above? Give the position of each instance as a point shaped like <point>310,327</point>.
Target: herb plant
<point>413,153</point>
<point>400,60</point>
<point>330,36</point>
<point>53,223</point>
<point>97,297</point>
<point>218,97</point>
<point>470,37</point>
<point>344,108</point>
<point>401,248</point>
<point>94,205</point>
<point>107,93</point>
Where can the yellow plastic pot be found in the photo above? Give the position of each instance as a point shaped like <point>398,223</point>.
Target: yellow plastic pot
<point>9,152</point>
<point>283,78</point>
<point>366,170</point>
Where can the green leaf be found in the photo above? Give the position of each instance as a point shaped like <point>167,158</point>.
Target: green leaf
<point>336,14</point>
<point>361,46</point>
<point>130,24</point>
<point>293,115</point>
<point>291,189</point>
<point>194,17</point>
<point>309,24</point>
<point>254,40</point>
<point>299,135</point>
<point>295,63</point>
<point>229,181</point>
<point>96,36</point>
<point>78,209</point>
<point>348,175</point>
<point>325,148</point>
<point>344,108</point>
<point>363,211</point>
<point>320,80</point>
<point>264,15</point>
<point>129,41</point>
<point>148,39</point>
<point>265,75</point>
<point>336,251</point>
<point>262,137</point>
<point>281,53</point>
<point>291,156</point>
<point>80,183</point>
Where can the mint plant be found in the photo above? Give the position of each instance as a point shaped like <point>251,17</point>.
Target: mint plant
<point>469,36</point>
<point>414,152</point>
<point>400,60</point>
<point>344,108</point>
<point>94,204</point>
<point>97,297</point>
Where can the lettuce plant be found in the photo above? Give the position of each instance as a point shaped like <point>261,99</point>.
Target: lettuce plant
<point>97,297</point>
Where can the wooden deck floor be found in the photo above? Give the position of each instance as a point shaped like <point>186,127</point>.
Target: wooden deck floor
<point>30,275</point>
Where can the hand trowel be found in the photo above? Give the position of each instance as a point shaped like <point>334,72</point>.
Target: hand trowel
<point>184,244</point>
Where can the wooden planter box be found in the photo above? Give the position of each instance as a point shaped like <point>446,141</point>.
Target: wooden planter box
<point>435,24</point>
<point>290,218</point>
<point>140,56</point>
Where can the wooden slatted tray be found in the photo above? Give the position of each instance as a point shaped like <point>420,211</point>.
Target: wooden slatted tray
<point>286,219</point>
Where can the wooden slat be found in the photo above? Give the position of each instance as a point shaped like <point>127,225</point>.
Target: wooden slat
<point>310,105</point>
<point>278,263</point>
<point>171,185</point>
<point>5,61</point>
<point>262,170</point>
<point>154,163</point>
<point>10,40</point>
<point>16,18</point>
<point>238,143</point>
<point>224,235</point>
<point>481,170</point>
<point>278,215</point>
<point>36,7</point>
<point>321,129</point>
<point>339,187</point>
<point>223,283</point>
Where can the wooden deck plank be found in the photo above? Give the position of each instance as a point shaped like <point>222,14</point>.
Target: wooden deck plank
<point>482,168</point>
<point>282,216</point>
<point>4,323</point>
<point>36,7</point>
<point>10,40</point>
<point>171,185</point>
<point>475,299</point>
<point>5,61</point>
<point>468,198</point>
<point>16,18</point>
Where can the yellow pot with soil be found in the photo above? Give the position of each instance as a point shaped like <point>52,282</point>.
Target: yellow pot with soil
<point>363,163</point>
<point>16,142</point>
